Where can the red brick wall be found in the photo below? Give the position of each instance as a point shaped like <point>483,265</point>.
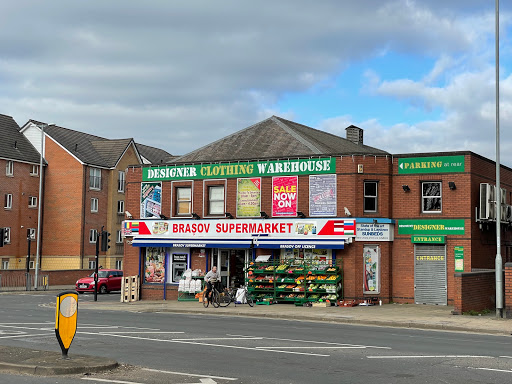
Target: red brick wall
<point>474,291</point>
<point>508,291</point>
<point>63,277</point>
<point>20,217</point>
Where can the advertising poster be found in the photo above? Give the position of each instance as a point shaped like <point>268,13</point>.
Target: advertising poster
<point>150,200</point>
<point>284,196</point>
<point>322,195</point>
<point>248,197</point>
<point>371,269</point>
<point>459,258</point>
<point>154,269</point>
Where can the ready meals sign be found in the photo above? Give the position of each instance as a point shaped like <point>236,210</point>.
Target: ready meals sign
<point>240,169</point>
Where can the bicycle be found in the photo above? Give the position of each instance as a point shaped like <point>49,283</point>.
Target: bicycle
<point>213,297</point>
<point>229,295</point>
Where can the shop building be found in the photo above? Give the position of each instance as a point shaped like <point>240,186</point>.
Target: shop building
<point>402,228</point>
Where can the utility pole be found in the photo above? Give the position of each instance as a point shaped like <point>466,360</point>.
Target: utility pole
<point>96,264</point>
<point>39,206</point>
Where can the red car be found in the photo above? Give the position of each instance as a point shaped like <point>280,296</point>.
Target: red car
<point>108,280</point>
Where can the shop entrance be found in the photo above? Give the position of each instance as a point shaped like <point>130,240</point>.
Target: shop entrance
<point>430,285</point>
<point>230,263</point>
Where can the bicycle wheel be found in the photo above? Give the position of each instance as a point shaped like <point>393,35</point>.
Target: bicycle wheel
<point>205,300</point>
<point>215,298</point>
<point>249,298</point>
<point>224,298</point>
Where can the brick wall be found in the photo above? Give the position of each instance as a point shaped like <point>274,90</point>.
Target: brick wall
<point>59,277</point>
<point>508,291</point>
<point>474,291</point>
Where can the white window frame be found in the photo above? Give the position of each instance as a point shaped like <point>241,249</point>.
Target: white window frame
<point>119,237</point>
<point>7,235</point>
<point>119,264</point>
<point>365,196</point>
<point>210,200</point>
<point>425,197</point>
<point>5,264</point>
<point>34,171</point>
<point>92,264</point>
<point>8,201</point>
<point>9,168</point>
<point>120,207</point>
<point>31,265</point>
<point>32,201</point>
<point>121,180</point>
<point>95,179</point>
<point>93,236</point>
<point>183,201</point>
<point>94,204</point>
<point>31,233</point>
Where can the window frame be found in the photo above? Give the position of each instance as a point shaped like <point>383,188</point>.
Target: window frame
<point>93,177</point>
<point>210,201</point>
<point>119,237</point>
<point>93,236</point>
<point>36,168</point>
<point>425,197</point>
<point>97,201</point>
<point>376,197</point>
<point>92,264</point>
<point>32,201</point>
<point>7,235</point>
<point>121,181</point>
<point>119,265</point>
<point>120,207</point>
<point>8,201</point>
<point>9,168</point>
<point>5,265</point>
<point>31,233</point>
<point>178,201</point>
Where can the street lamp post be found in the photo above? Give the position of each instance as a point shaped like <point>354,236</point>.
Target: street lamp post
<point>38,244</point>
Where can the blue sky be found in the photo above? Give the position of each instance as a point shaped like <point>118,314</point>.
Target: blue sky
<point>417,76</point>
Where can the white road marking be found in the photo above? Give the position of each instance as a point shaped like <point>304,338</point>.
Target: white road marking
<point>444,338</point>
<point>26,335</point>
<point>506,357</point>
<point>140,332</point>
<point>491,369</point>
<point>110,381</point>
<point>317,342</point>
<point>219,338</point>
<point>326,347</point>
<point>46,323</point>
<point>191,374</point>
<point>429,357</point>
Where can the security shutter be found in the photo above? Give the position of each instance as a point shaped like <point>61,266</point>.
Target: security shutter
<point>430,285</point>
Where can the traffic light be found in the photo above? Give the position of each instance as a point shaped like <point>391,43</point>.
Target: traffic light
<point>105,239</point>
<point>2,237</point>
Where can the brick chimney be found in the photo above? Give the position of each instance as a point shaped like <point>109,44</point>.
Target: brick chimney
<point>355,134</point>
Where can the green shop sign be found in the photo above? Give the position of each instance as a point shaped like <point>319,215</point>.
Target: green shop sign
<point>429,239</point>
<point>241,169</point>
<point>431,164</point>
<point>431,227</point>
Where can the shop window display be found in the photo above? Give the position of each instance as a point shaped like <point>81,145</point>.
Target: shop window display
<point>154,265</point>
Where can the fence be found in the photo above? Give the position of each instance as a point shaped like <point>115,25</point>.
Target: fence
<point>23,282</point>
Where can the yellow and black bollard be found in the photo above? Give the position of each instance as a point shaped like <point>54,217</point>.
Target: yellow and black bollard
<point>66,319</point>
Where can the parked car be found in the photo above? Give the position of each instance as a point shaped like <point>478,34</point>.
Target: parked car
<point>108,280</point>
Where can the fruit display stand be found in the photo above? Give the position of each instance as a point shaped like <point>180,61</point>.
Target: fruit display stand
<point>295,281</point>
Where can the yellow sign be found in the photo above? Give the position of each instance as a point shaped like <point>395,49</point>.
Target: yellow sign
<point>66,319</point>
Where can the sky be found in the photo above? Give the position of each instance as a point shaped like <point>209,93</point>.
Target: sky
<point>417,76</point>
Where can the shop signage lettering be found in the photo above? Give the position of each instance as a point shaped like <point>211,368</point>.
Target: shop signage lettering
<point>298,246</point>
<point>246,169</point>
<point>431,227</point>
<point>430,258</point>
<point>374,232</point>
<point>418,239</point>
<point>284,196</point>
<point>188,245</point>
<point>431,164</point>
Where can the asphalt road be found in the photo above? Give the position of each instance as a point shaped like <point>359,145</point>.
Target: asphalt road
<point>174,348</point>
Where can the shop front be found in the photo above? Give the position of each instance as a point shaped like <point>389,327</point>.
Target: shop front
<point>173,249</point>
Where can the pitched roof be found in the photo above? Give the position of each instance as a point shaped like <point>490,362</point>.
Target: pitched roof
<point>276,137</point>
<point>154,155</point>
<point>14,145</point>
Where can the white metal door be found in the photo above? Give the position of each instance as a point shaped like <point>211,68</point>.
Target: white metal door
<point>430,286</point>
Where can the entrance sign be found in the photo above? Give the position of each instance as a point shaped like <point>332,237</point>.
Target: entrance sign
<point>431,164</point>
<point>66,319</point>
<point>284,196</point>
<point>428,239</point>
<point>240,169</point>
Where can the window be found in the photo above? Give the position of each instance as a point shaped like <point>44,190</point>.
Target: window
<point>93,236</point>
<point>8,201</point>
<point>119,238</point>
<point>119,265</point>
<point>5,264</point>
<point>183,201</point>
<point>34,171</point>
<point>7,235</point>
<point>120,207</point>
<point>31,265</point>
<point>431,196</point>
<point>94,204</point>
<point>120,181</point>
<point>95,178</point>
<point>216,200</point>
<point>32,201</point>
<point>370,196</point>
<point>92,264</point>
<point>9,168</point>
<point>31,233</point>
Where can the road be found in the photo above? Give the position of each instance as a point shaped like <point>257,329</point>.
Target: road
<point>174,348</point>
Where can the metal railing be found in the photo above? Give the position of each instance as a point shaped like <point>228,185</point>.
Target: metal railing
<point>23,282</point>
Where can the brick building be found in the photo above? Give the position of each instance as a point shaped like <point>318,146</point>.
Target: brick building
<point>19,188</point>
<point>403,228</point>
<point>84,190</point>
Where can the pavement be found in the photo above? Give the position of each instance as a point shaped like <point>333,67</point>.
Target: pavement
<point>20,360</point>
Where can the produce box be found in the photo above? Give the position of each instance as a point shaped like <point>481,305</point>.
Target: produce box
<point>348,303</point>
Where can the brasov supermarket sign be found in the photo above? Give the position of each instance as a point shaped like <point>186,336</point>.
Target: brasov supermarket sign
<point>240,169</point>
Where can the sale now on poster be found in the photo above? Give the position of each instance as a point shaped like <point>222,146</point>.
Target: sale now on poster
<point>284,196</point>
